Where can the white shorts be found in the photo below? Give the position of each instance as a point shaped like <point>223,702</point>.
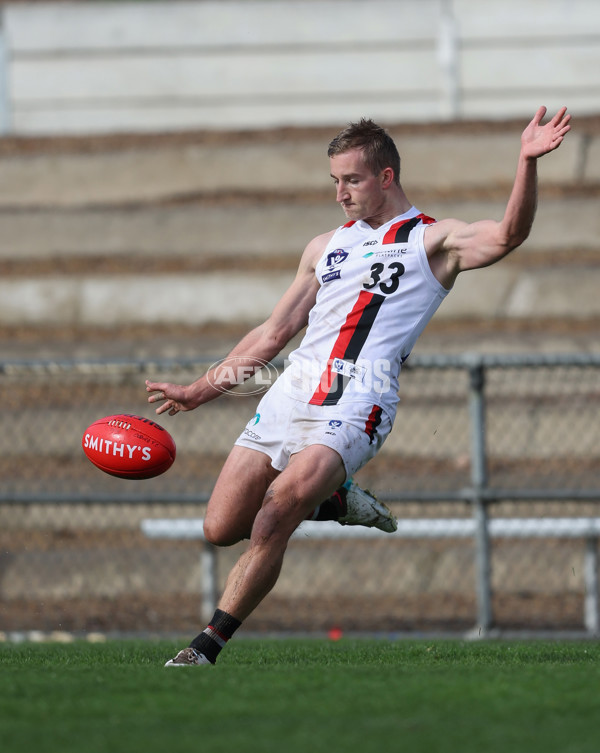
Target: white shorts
<point>283,426</point>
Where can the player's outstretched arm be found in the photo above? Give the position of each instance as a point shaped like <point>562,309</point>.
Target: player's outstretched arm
<point>455,246</point>
<point>260,345</point>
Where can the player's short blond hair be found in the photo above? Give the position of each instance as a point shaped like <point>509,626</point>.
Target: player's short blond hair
<point>378,146</point>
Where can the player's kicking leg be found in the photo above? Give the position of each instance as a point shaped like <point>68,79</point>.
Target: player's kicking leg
<point>286,503</point>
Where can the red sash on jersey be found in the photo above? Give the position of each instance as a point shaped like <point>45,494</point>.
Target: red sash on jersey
<point>351,338</point>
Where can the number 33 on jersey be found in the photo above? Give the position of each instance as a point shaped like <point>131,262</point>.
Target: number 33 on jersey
<point>377,293</point>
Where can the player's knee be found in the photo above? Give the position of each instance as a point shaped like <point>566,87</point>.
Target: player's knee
<point>277,519</point>
<point>221,535</point>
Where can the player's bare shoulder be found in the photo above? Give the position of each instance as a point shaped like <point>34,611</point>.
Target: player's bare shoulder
<point>438,246</point>
<point>437,234</point>
<point>315,249</point>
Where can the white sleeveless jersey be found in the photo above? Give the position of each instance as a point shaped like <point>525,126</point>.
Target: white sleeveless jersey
<point>377,294</point>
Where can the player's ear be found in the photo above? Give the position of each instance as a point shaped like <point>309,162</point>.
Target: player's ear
<point>387,177</point>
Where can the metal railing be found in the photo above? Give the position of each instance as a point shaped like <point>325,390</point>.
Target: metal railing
<point>587,528</point>
<point>493,438</point>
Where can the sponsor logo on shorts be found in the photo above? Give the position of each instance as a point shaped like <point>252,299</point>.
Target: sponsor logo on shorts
<point>252,422</point>
<point>333,425</point>
<point>251,434</point>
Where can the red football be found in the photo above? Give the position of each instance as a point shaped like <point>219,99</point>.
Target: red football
<point>129,446</point>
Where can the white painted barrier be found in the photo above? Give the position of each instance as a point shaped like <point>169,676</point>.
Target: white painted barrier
<point>575,528</point>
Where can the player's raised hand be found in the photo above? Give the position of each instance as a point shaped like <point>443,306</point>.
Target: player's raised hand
<point>538,139</point>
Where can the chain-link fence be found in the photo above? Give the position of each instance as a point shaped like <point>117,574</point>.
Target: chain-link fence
<point>476,439</point>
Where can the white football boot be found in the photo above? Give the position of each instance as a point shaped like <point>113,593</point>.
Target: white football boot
<point>187,657</point>
<point>364,509</point>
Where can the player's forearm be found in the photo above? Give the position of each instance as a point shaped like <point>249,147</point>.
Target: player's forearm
<point>249,355</point>
<point>520,210</point>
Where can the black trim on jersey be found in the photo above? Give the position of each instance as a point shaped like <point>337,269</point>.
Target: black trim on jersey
<point>404,230</point>
<point>354,347</point>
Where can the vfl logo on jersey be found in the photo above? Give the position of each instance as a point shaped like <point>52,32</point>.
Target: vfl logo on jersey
<point>334,260</point>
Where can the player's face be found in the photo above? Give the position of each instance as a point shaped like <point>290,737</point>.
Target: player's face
<point>358,191</point>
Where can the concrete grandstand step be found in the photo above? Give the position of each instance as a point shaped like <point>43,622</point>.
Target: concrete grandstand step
<point>214,339</point>
<point>117,235</point>
<point>504,291</point>
<point>270,229</point>
<point>136,171</point>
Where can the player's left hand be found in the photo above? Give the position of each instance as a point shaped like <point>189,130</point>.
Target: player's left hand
<point>538,139</point>
<point>172,396</point>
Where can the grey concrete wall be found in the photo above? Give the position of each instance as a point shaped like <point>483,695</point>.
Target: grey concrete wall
<point>91,67</point>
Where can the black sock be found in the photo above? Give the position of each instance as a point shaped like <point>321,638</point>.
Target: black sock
<point>214,637</point>
<point>333,508</point>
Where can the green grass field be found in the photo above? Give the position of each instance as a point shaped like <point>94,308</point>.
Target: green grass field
<point>288,696</point>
